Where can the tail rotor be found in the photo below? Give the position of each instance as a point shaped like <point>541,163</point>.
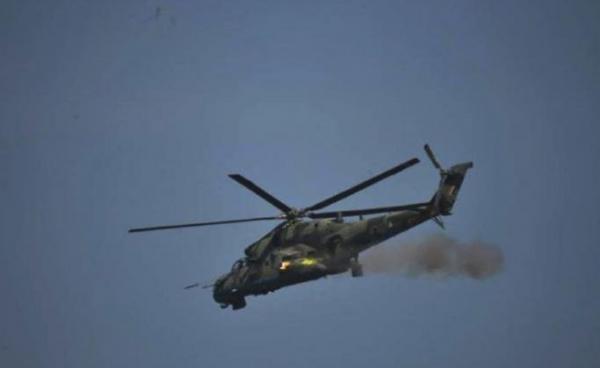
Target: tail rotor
<point>450,182</point>
<point>433,159</point>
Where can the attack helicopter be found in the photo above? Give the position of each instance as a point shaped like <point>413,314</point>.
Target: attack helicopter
<point>307,244</point>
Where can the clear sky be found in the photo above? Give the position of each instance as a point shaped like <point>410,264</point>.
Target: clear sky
<point>113,115</point>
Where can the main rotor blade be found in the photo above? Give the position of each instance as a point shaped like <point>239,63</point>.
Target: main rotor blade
<point>368,211</point>
<point>165,227</point>
<point>432,157</point>
<point>260,192</point>
<point>348,192</point>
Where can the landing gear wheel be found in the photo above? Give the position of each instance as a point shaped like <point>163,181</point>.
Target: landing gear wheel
<point>356,269</point>
<point>238,304</point>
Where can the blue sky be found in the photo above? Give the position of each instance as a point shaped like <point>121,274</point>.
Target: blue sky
<point>112,119</point>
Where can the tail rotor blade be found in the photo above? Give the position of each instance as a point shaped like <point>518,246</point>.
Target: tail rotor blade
<point>434,161</point>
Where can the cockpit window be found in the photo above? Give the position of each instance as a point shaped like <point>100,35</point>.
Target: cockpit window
<point>237,265</point>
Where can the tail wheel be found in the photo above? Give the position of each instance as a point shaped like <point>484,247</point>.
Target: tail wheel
<point>356,269</point>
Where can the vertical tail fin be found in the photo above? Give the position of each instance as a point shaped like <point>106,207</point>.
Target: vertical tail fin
<point>450,182</point>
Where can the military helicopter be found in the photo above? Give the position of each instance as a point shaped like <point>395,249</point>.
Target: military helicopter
<point>299,250</point>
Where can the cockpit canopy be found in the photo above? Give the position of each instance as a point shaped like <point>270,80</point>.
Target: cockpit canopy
<point>238,264</point>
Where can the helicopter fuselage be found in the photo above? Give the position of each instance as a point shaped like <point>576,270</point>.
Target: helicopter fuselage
<point>297,251</point>
<point>307,250</point>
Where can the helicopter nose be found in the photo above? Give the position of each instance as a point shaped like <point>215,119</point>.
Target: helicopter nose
<point>220,293</point>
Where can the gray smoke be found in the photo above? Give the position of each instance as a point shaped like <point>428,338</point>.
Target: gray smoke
<point>437,255</point>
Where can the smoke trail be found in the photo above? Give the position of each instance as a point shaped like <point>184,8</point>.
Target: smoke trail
<point>437,255</point>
